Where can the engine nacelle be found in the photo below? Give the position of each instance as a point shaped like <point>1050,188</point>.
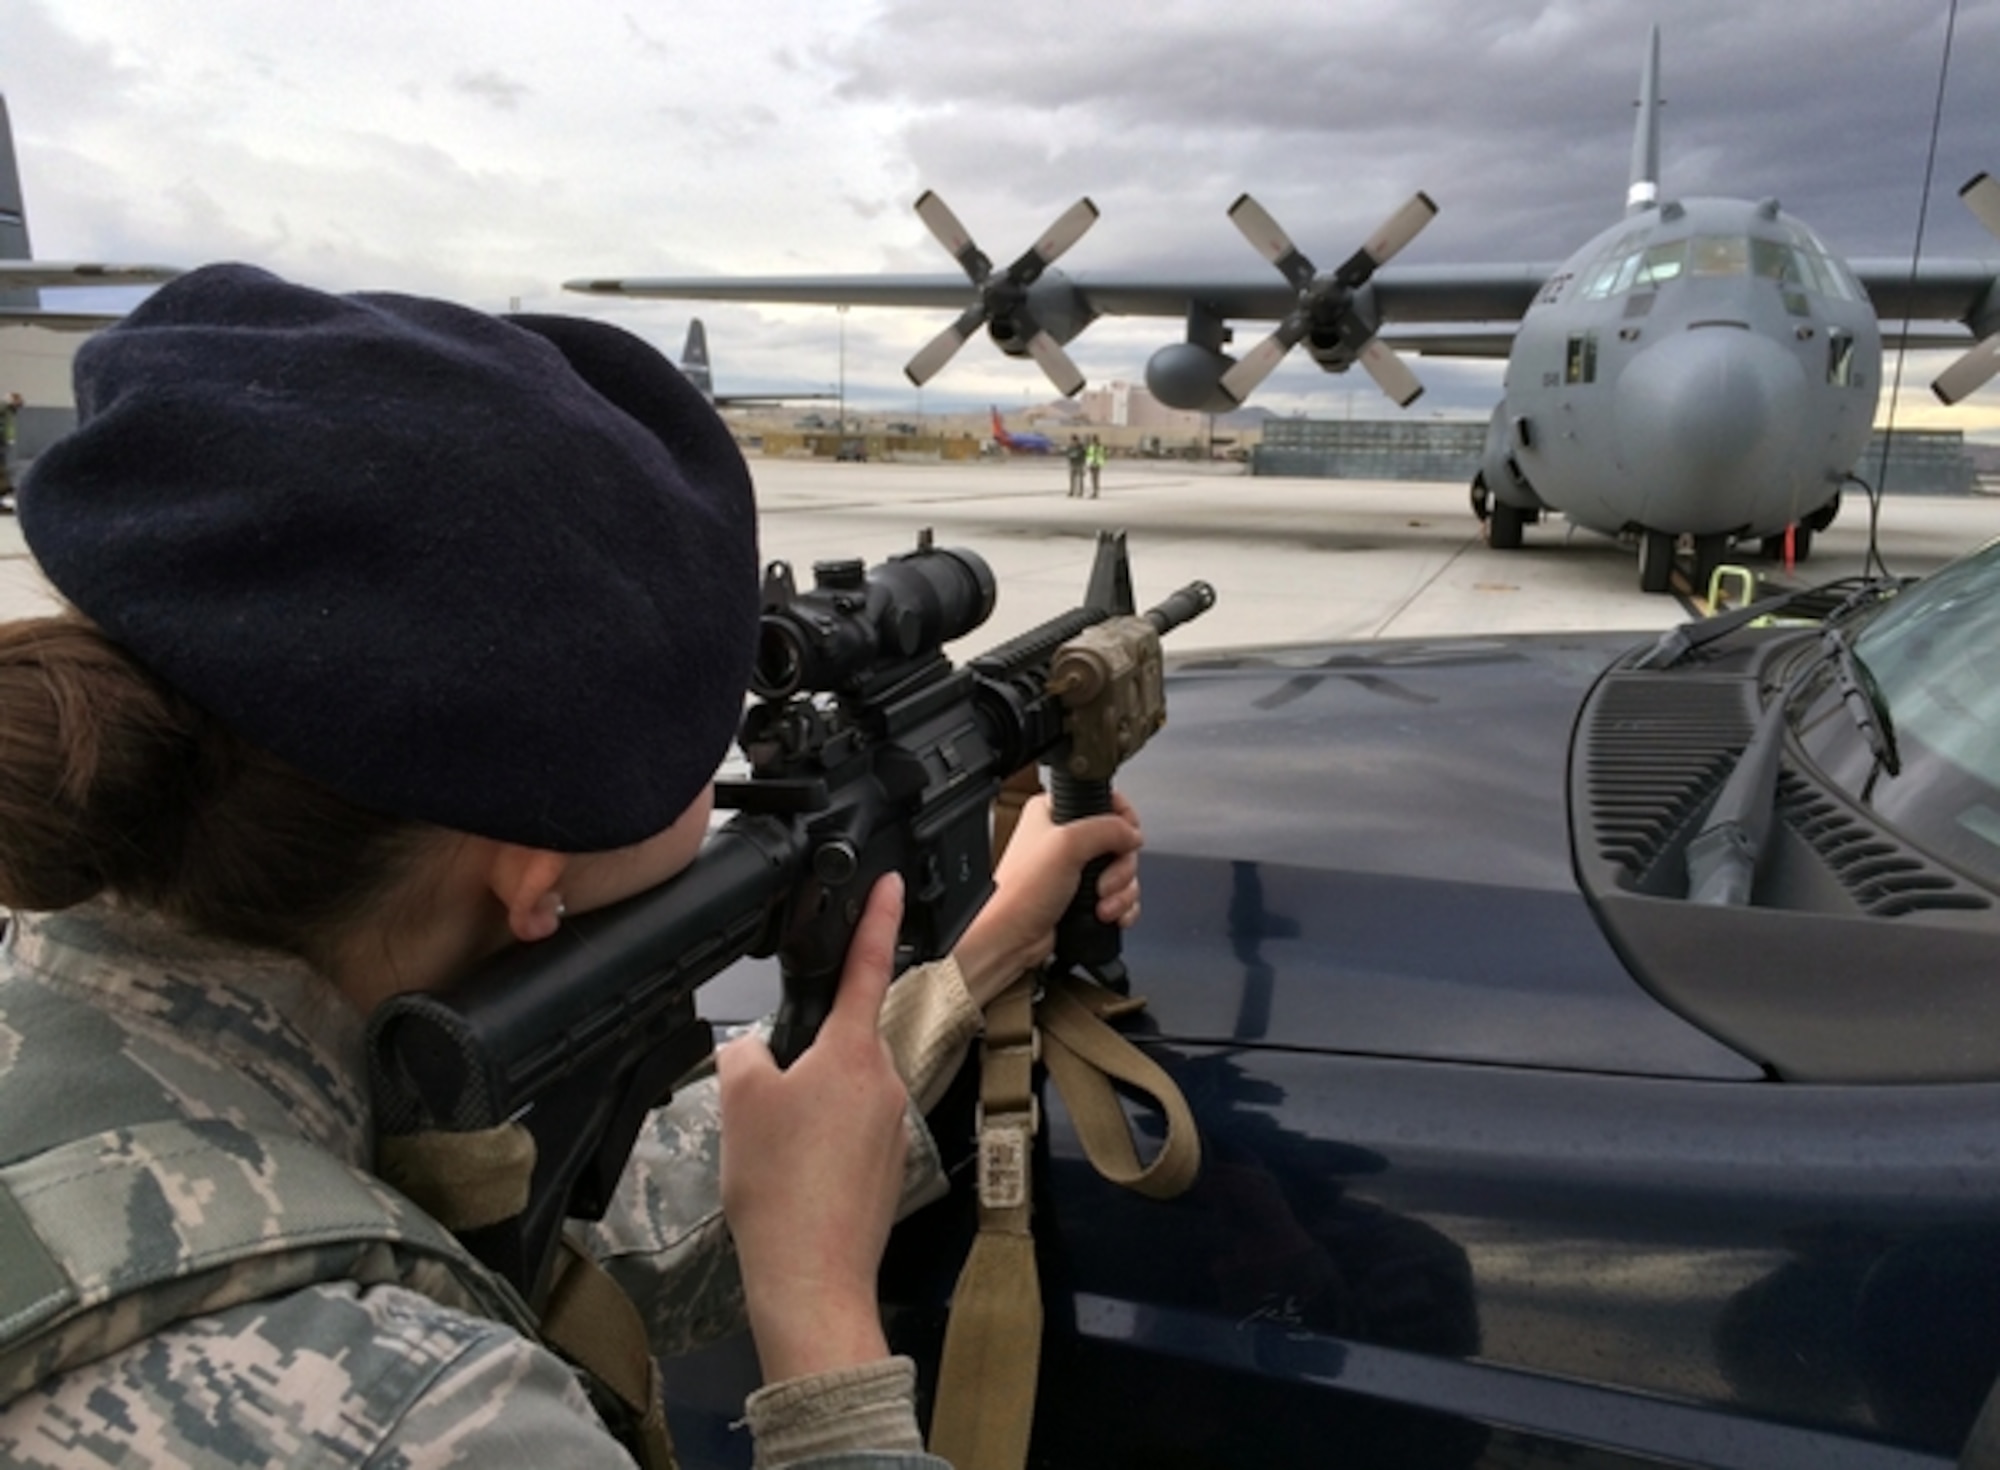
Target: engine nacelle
<point>1187,376</point>
<point>1057,307</point>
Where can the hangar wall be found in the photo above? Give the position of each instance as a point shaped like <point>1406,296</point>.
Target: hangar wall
<point>1921,461</point>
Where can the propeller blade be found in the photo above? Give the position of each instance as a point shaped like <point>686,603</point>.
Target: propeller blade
<point>948,232</point>
<point>1270,240</point>
<point>1065,232</point>
<point>1256,365</point>
<point>1391,374</point>
<point>1001,300</point>
<point>944,346</point>
<point>1970,373</point>
<point>1982,197</point>
<point>1381,247</point>
<point>1055,362</point>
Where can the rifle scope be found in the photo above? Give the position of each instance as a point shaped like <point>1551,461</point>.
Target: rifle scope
<point>834,637</point>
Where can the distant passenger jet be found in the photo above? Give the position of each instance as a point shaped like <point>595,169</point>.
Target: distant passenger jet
<point>1706,369</point>
<point>1020,443</point>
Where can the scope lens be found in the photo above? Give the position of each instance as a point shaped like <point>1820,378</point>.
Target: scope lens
<point>781,660</point>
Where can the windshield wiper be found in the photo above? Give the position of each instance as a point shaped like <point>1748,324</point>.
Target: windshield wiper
<point>1723,857</point>
<point>1684,638</point>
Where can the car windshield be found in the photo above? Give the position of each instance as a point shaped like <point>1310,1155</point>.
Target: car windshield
<point>1934,654</point>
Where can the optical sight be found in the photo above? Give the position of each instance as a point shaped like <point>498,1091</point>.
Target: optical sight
<point>855,619</point>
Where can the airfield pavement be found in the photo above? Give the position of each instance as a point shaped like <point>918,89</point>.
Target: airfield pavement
<point>1290,559</point>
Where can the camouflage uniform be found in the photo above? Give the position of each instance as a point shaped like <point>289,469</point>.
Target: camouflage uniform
<point>123,1033</point>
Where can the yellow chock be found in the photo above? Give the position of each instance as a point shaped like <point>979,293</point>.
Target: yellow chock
<point>1741,579</point>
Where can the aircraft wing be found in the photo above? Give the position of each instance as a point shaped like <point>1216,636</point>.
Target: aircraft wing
<point>768,400</point>
<point>15,274</point>
<point>57,321</point>
<point>1408,294</point>
<point>1442,339</point>
<point>927,290</point>
<point>1937,291</point>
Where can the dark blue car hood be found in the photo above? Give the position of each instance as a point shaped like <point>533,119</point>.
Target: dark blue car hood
<point>1365,848</point>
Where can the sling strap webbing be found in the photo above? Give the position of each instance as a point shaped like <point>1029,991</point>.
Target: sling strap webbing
<point>993,1341</point>
<point>985,1403</point>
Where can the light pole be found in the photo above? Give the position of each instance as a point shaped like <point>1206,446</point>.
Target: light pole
<point>842,424</point>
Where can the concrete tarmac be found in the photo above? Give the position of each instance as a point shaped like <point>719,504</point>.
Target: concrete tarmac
<point>1290,559</point>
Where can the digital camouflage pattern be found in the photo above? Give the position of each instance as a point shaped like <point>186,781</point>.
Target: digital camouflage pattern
<point>168,1106</point>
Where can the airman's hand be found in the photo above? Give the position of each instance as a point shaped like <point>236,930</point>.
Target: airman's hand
<point>1035,881</point>
<point>812,1167</point>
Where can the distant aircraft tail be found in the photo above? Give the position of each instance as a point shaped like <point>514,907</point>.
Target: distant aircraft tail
<point>694,359</point>
<point>13,216</point>
<point>1000,434</point>
<point>1644,191</point>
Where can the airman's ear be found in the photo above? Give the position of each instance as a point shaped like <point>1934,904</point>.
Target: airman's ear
<point>527,881</point>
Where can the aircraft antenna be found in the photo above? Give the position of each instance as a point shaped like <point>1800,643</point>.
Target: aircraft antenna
<point>1916,254</point>
<point>1643,192</point>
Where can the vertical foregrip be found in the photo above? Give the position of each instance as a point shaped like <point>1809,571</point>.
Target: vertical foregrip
<point>1083,941</point>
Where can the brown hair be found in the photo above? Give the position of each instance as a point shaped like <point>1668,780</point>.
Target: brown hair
<point>111,782</point>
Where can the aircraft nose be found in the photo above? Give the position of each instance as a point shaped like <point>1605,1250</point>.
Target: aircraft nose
<point>1707,419</point>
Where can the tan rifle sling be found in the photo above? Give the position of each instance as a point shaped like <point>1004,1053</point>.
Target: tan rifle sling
<point>985,1404</point>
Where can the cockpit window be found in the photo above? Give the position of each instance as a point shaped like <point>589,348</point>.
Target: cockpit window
<point>1660,264</point>
<point>1718,255</point>
<point>1798,265</point>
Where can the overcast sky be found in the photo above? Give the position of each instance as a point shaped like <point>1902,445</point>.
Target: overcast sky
<point>487,152</point>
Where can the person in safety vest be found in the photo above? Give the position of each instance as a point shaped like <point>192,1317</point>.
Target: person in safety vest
<point>397,633</point>
<point>10,414</point>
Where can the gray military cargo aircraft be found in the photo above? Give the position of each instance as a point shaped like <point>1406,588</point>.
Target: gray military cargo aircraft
<point>1704,370</point>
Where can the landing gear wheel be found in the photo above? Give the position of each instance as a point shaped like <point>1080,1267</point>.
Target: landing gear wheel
<point>1503,530</point>
<point>1656,561</point>
<point>1482,502</point>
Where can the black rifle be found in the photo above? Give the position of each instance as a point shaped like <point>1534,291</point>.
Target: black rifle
<point>869,753</point>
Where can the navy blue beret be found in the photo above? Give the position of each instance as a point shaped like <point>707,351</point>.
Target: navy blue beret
<point>498,574</point>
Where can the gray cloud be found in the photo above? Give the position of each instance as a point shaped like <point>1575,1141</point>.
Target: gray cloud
<point>606,139</point>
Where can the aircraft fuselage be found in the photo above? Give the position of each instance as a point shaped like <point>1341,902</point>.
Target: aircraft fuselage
<point>1704,368</point>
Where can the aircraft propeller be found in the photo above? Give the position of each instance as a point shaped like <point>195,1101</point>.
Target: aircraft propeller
<point>1326,304</point>
<point>1003,295</point>
<point>1981,361</point>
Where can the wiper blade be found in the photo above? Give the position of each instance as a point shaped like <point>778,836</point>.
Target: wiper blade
<point>1723,857</point>
<point>1684,638</point>
<point>1863,698</point>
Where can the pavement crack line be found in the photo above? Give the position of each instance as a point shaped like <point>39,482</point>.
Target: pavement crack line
<point>1421,588</point>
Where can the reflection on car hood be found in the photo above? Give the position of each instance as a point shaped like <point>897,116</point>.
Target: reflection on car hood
<point>1364,848</point>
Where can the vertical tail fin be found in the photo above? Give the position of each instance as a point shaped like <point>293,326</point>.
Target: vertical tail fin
<point>1644,191</point>
<point>694,359</point>
<point>13,215</point>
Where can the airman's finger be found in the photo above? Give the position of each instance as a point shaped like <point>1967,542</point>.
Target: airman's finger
<point>871,954</point>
